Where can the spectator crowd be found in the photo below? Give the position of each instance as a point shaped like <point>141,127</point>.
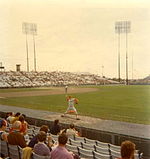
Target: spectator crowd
<point>53,142</point>
<point>14,79</point>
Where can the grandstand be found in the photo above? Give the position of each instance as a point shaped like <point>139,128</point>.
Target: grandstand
<point>14,79</point>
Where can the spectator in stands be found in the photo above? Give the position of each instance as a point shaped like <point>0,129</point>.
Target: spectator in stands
<point>34,140</point>
<point>24,125</point>
<point>15,137</point>
<point>60,152</point>
<point>55,129</point>
<point>3,134</point>
<point>71,132</point>
<point>10,117</point>
<point>16,117</point>
<point>41,148</point>
<point>127,150</point>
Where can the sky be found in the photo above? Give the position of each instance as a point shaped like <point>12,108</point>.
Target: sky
<point>76,36</point>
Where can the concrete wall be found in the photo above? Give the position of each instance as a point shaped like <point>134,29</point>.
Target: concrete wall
<point>141,144</point>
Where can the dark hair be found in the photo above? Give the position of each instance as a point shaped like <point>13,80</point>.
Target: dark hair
<point>17,114</point>
<point>127,149</point>
<point>44,128</point>
<point>71,126</point>
<point>41,136</point>
<point>56,122</point>
<point>21,118</point>
<point>3,123</point>
<point>24,115</point>
<point>62,139</point>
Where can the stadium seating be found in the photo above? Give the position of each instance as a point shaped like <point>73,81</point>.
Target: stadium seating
<point>12,79</point>
<point>35,156</point>
<point>86,148</point>
<point>4,148</point>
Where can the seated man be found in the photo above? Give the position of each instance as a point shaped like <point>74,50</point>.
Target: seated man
<point>41,148</point>
<point>60,152</point>
<point>34,140</point>
<point>15,137</point>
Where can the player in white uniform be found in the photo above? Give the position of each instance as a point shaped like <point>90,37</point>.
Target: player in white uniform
<point>71,109</point>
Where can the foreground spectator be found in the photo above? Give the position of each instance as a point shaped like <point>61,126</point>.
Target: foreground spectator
<point>60,152</point>
<point>3,134</point>
<point>41,148</point>
<point>15,137</point>
<point>55,129</point>
<point>34,140</point>
<point>10,117</point>
<point>127,150</point>
<point>16,117</point>
<point>71,132</point>
<point>24,125</point>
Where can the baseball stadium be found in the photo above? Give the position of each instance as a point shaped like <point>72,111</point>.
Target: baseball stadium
<point>74,79</point>
<point>108,111</point>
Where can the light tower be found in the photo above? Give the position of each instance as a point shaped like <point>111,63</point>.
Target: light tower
<point>123,27</point>
<point>30,28</point>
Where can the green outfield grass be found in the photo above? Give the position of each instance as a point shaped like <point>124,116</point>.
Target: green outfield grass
<point>122,103</point>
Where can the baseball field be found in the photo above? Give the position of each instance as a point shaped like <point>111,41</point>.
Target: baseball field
<point>121,103</point>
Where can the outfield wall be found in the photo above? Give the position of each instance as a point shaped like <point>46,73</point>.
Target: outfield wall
<point>142,144</point>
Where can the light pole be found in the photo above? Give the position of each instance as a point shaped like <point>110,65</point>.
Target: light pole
<point>117,30</point>
<point>123,27</point>
<point>25,30</point>
<point>30,28</point>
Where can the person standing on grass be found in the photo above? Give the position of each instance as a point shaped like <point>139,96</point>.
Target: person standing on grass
<point>66,90</point>
<point>71,106</point>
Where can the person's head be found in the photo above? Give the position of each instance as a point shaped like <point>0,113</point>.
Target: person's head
<point>71,126</point>
<point>16,125</point>
<point>127,149</point>
<point>69,97</point>
<point>17,114</point>
<point>41,136</point>
<point>56,122</point>
<point>21,118</point>
<point>3,124</point>
<point>62,139</point>
<point>24,115</point>
<point>44,128</point>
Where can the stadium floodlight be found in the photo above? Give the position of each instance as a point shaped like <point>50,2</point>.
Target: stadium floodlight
<point>123,27</point>
<point>30,28</point>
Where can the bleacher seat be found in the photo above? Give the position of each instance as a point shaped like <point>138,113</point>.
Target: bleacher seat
<point>35,156</point>
<point>84,153</point>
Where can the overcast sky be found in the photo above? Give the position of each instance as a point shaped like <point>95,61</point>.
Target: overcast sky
<point>76,35</point>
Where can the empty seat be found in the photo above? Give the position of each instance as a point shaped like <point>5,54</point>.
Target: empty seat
<point>89,141</point>
<point>75,143</point>
<point>78,138</point>
<point>114,147</point>
<point>14,152</point>
<point>84,153</point>
<point>115,154</point>
<point>4,148</point>
<point>102,150</point>
<point>72,148</point>
<point>102,144</point>
<point>35,156</point>
<point>87,146</point>
<point>100,156</point>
